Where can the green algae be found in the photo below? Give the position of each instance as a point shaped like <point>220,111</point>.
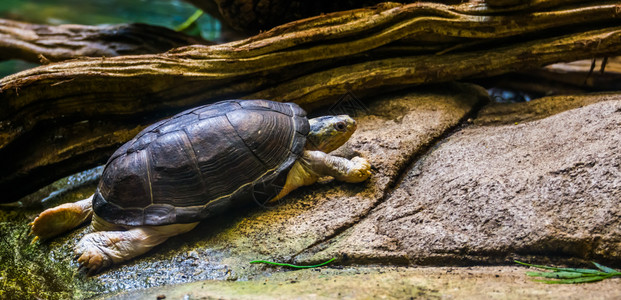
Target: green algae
<point>30,270</point>
<point>44,269</point>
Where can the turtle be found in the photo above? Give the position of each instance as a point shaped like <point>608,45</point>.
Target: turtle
<point>198,164</point>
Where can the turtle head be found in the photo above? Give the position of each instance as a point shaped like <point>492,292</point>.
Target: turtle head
<point>329,132</point>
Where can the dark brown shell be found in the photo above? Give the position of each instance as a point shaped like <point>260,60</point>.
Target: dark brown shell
<point>202,161</point>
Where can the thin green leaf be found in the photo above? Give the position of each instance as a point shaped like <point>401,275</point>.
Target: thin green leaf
<point>290,265</point>
<point>605,269</point>
<point>584,271</point>
<point>571,275</point>
<point>559,275</point>
<point>575,280</point>
<point>538,266</point>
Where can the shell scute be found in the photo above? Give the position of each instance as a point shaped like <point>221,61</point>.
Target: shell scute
<point>159,214</point>
<point>267,134</point>
<point>127,178</point>
<point>174,174</point>
<point>216,109</point>
<point>219,151</point>
<point>176,123</point>
<point>143,142</point>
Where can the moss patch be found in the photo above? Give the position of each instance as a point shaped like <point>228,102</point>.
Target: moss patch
<point>29,271</point>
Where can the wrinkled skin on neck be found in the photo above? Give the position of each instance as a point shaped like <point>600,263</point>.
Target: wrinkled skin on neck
<point>327,133</point>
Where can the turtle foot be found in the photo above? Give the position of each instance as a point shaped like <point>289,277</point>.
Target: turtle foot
<point>99,250</point>
<point>359,171</point>
<point>59,219</point>
<point>92,252</point>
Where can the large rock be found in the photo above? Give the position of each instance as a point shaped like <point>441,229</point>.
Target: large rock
<point>544,189</point>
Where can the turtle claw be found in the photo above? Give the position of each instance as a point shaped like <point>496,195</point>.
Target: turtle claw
<point>35,239</point>
<point>87,271</point>
<point>92,262</point>
<point>360,171</point>
<point>81,269</point>
<point>93,271</point>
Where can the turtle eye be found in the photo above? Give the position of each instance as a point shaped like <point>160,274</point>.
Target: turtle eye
<point>340,126</point>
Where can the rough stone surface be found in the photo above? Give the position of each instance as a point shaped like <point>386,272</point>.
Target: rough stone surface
<point>488,194</point>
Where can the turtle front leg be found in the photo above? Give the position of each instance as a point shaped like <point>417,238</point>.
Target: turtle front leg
<point>314,164</point>
<point>357,169</point>
<point>56,220</point>
<point>101,249</point>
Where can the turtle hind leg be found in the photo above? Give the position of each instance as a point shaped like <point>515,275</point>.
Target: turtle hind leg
<point>59,219</point>
<point>101,249</point>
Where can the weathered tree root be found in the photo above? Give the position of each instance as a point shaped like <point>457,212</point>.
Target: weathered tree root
<point>311,62</point>
<point>49,43</point>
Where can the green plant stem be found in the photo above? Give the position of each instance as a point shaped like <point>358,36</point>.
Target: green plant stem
<point>290,265</point>
<point>197,14</point>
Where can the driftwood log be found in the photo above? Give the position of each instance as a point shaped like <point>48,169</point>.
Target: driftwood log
<point>48,43</point>
<point>64,117</point>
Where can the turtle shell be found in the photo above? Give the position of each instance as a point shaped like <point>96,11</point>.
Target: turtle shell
<point>201,162</point>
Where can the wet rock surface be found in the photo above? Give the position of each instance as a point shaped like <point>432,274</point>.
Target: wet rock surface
<point>444,192</point>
